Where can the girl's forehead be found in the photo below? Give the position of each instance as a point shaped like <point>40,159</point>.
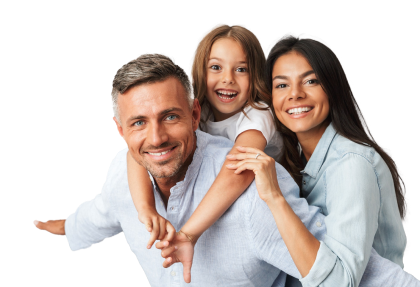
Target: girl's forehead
<point>227,48</point>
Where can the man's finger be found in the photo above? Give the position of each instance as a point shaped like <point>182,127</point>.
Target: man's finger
<point>52,226</point>
<point>187,271</point>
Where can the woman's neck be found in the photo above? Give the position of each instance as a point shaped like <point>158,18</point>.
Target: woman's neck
<point>309,140</point>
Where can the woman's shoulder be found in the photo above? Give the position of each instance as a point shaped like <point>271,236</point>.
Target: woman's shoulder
<point>342,146</point>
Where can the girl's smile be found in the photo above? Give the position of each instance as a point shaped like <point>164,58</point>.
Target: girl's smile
<point>227,78</point>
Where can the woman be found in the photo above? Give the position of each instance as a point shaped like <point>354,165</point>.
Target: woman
<point>338,166</point>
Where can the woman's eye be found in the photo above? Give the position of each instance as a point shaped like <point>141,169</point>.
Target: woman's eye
<point>281,86</point>
<point>242,70</point>
<point>312,81</point>
<point>139,123</point>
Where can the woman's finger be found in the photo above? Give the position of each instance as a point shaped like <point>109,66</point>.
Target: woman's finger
<point>245,155</point>
<point>250,150</point>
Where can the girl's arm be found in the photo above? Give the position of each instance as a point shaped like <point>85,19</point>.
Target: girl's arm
<point>141,190</point>
<point>226,188</point>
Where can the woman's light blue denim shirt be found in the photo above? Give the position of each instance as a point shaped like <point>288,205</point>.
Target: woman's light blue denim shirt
<point>354,188</point>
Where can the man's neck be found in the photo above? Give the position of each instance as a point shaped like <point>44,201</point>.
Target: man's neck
<point>166,183</point>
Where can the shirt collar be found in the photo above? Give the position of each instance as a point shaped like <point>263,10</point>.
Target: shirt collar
<point>317,159</point>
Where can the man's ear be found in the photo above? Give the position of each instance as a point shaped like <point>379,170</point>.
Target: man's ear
<point>196,114</point>
<point>119,127</point>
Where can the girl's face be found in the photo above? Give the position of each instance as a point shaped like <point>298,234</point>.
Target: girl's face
<point>299,101</point>
<point>227,78</point>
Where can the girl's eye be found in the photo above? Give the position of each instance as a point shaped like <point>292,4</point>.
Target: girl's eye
<point>171,117</point>
<point>242,70</point>
<point>215,67</point>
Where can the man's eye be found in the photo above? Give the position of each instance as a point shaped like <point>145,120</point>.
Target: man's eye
<point>171,117</point>
<point>215,67</point>
<point>139,123</point>
<point>242,70</point>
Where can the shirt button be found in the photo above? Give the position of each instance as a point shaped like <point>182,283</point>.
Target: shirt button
<point>318,224</point>
<point>161,203</point>
<point>304,182</point>
<point>172,208</point>
<point>173,273</point>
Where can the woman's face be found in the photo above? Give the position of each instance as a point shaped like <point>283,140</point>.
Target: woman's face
<point>299,101</point>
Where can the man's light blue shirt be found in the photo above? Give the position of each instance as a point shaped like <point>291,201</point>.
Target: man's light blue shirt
<point>243,248</point>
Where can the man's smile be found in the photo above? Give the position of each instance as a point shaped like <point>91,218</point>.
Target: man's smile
<point>161,154</point>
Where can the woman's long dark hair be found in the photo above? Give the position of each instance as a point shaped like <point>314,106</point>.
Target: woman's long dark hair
<point>344,114</point>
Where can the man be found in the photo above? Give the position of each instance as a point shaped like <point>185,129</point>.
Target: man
<point>157,118</point>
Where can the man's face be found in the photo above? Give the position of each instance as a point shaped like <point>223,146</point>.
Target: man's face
<point>158,126</point>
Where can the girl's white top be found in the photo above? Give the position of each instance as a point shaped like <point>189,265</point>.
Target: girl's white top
<point>231,128</point>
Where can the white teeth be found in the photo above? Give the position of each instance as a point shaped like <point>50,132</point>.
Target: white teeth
<point>230,94</point>
<point>298,111</point>
<point>159,153</point>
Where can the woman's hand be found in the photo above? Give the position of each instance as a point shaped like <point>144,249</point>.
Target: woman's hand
<point>263,167</point>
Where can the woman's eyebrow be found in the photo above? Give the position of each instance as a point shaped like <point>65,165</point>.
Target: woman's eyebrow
<point>281,77</point>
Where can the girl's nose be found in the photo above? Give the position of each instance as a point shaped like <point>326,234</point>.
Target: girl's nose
<point>227,78</point>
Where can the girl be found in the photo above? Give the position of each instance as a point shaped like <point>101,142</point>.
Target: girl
<point>338,166</point>
<point>228,81</point>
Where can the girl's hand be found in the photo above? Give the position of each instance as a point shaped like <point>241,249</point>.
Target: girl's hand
<point>158,226</point>
<point>263,167</point>
<point>180,249</point>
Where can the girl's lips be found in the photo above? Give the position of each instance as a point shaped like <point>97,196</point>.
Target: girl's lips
<point>225,98</point>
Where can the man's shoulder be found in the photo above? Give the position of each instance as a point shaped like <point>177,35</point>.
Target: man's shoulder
<point>213,146</point>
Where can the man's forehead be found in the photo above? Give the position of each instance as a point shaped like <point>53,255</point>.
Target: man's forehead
<point>153,98</point>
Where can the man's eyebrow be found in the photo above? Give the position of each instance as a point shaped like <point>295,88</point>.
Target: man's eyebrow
<point>281,77</point>
<point>140,117</point>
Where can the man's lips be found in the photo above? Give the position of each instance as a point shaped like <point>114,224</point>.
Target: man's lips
<point>161,154</point>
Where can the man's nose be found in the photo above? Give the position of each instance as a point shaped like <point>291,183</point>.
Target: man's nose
<point>157,135</point>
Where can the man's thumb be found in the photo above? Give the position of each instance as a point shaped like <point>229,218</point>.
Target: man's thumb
<point>39,224</point>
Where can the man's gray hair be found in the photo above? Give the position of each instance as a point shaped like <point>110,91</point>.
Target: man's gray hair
<point>147,69</point>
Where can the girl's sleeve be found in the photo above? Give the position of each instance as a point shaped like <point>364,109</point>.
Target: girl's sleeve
<point>353,201</point>
<point>260,120</point>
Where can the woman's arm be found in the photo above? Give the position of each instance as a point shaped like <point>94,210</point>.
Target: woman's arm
<point>226,188</point>
<point>302,245</point>
<point>144,200</point>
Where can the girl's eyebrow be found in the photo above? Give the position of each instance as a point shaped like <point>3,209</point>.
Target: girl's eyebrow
<point>218,59</point>
<point>303,75</point>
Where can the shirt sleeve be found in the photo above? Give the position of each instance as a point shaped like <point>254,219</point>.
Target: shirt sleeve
<point>260,120</point>
<point>262,230</point>
<point>353,202</point>
<point>95,220</point>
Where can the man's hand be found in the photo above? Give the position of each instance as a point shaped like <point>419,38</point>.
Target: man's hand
<point>158,226</point>
<point>180,249</point>
<point>53,226</point>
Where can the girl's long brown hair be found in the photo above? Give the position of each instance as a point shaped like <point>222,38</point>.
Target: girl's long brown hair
<point>256,64</point>
<point>344,114</point>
